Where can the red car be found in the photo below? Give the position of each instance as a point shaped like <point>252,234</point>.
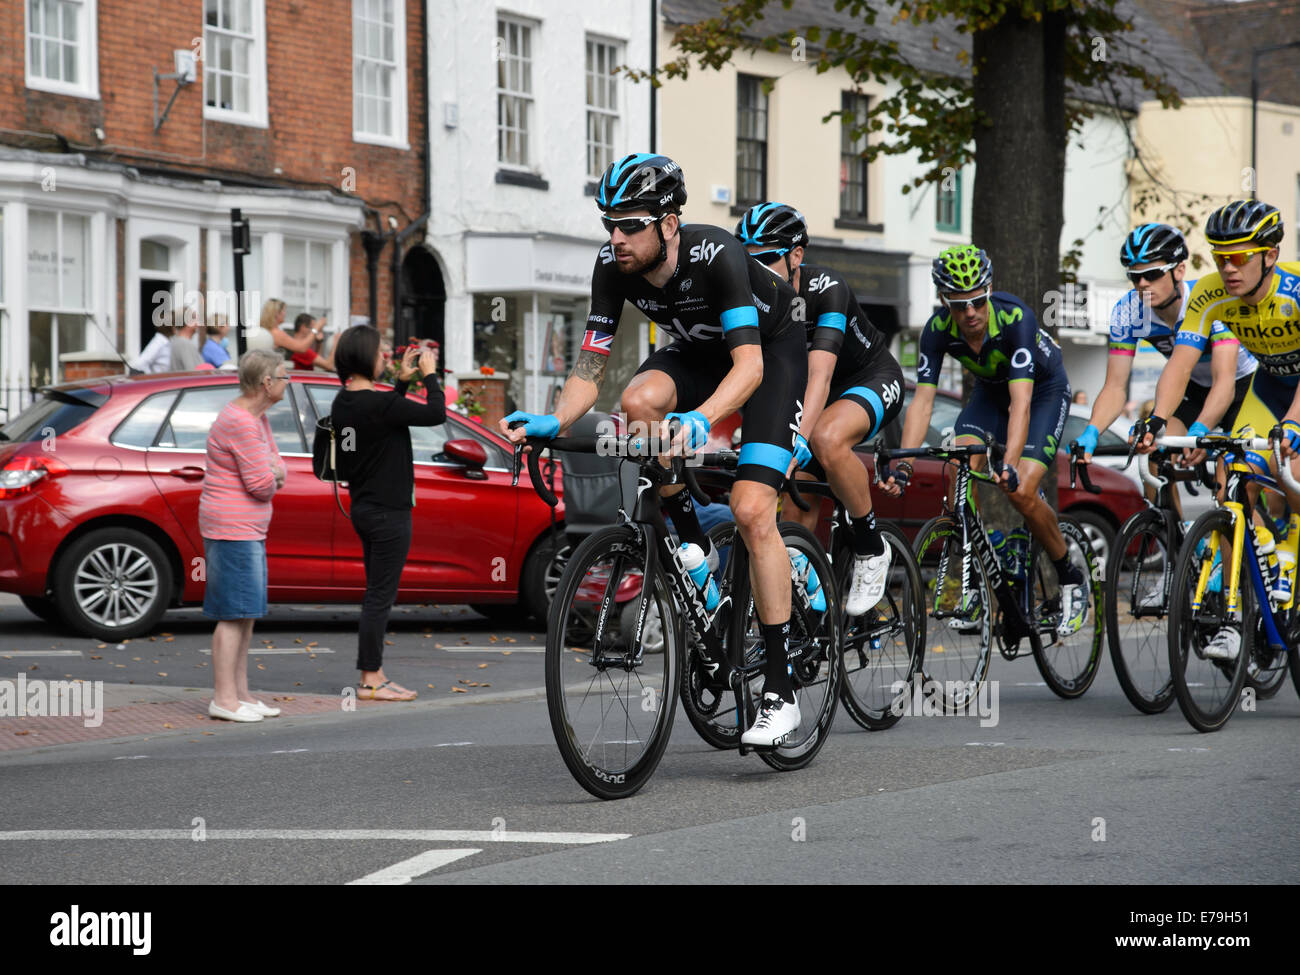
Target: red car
<point>99,494</point>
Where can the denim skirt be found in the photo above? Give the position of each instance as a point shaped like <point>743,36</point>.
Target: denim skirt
<point>236,579</point>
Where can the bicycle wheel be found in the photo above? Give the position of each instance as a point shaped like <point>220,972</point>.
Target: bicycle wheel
<point>711,708</point>
<point>1137,611</point>
<point>885,647</point>
<point>816,655</point>
<point>1207,689</point>
<point>958,598</point>
<point>1265,667</point>
<point>611,702</point>
<point>1069,664</point>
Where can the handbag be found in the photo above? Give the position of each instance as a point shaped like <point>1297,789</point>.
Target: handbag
<point>324,457</point>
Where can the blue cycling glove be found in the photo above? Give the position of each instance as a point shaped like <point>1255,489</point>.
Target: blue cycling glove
<point>546,426</point>
<point>696,426</point>
<point>802,455</point>
<point>1291,434</point>
<point>1088,439</point>
<point>1197,429</point>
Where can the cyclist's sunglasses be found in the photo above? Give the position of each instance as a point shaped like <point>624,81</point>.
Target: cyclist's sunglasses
<point>1150,274</point>
<point>629,225</point>
<point>961,304</point>
<point>1237,258</point>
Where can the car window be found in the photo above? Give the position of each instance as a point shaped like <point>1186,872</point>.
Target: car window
<point>1075,425</point>
<point>140,429</point>
<point>942,418</point>
<point>48,416</point>
<point>191,421</point>
<point>322,399</point>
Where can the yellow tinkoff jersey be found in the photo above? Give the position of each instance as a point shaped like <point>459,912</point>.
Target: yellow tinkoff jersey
<point>1270,330</point>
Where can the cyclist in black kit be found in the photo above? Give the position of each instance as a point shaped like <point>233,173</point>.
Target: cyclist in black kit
<point>855,386</point>
<point>735,343</point>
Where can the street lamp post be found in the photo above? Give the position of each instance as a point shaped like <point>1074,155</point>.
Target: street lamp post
<point>1254,107</point>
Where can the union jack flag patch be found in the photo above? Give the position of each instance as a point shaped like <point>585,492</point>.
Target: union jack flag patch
<point>595,341</point>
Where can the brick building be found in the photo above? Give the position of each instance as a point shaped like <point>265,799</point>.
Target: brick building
<point>116,186</point>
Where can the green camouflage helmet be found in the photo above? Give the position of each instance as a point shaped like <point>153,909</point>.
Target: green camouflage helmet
<point>964,268</point>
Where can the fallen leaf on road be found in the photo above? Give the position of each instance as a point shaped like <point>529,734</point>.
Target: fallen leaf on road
<point>165,725</point>
<point>482,666</point>
<point>165,634</point>
<point>96,657</point>
<point>511,639</point>
<point>485,685</point>
<point>287,697</point>
<point>170,639</point>
<point>389,643</point>
<point>135,658</point>
<point>209,732</point>
<point>261,666</point>
<point>101,646</point>
<point>297,639</point>
<point>33,667</point>
<point>297,683</point>
<point>22,732</point>
<point>438,646</point>
<point>506,653</point>
<point>162,673</point>
<point>492,637</point>
<point>457,690</point>
<point>312,644</point>
<point>153,639</point>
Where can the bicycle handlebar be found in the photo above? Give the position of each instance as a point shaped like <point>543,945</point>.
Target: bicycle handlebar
<point>1079,469</point>
<point>1223,441</point>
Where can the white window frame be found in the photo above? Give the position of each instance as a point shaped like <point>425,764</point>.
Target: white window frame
<point>399,138</point>
<point>256,115</point>
<point>326,294</point>
<point>61,307</point>
<point>526,98</point>
<point>87,54</point>
<point>614,54</point>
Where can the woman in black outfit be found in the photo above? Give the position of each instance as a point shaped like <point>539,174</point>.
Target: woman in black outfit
<point>378,464</point>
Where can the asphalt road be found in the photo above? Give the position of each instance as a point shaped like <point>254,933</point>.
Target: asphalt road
<point>1087,791</point>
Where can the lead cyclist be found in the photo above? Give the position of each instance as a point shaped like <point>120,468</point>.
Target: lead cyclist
<point>735,344</point>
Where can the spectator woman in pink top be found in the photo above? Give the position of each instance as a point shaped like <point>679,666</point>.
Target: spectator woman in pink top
<point>244,471</point>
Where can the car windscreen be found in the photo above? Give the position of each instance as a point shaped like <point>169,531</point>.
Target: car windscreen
<point>56,412</point>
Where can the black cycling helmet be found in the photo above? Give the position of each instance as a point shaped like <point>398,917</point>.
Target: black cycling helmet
<point>642,181</point>
<point>962,268</point>
<point>1244,222</point>
<point>1153,242</point>
<point>773,226</point>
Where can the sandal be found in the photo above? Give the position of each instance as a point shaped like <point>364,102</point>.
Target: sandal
<point>374,689</point>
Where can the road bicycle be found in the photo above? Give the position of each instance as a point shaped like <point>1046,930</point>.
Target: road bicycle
<point>975,599</point>
<point>612,694</point>
<point>1208,597</point>
<point>1139,579</point>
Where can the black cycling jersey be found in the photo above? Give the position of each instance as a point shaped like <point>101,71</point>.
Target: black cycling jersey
<point>836,323</point>
<point>717,295</point>
<point>1015,348</point>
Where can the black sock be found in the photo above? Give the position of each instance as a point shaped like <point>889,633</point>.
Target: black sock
<point>867,539</point>
<point>776,676</point>
<point>681,509</point>
<point>1066,573</point>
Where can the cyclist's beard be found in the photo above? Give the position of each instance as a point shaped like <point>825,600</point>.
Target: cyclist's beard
<point>639,265</point>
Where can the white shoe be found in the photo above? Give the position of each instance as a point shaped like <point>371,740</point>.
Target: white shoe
<point>1153,599</point>
<point>1074,608</point>
<point>242,713</point>
<point>1224,646</point>
<point>777,721</point>
<point>265,710</point>
<point>867,587</point>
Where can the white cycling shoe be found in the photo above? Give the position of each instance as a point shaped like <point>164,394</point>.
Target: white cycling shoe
<point>868,584</point>
<point>1074,608</point>
<point>777,720</point>
<point>1225,646</point>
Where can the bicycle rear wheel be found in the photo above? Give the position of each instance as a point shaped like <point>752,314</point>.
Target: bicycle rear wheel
<point>1207,689</point>
<point>815,651</point>
<point>1137,611</point>
<point>1069,664</point>
<point>959,609</point>
<point>610,697</point>
<point>885,647</point>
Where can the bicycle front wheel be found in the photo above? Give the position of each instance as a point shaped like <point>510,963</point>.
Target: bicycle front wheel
<point>611,697</point>
<point>1207,683</point>
<point>959,609</point>
<point>1137,611</point>
<point>885,647</point>
<point>1068,662</point>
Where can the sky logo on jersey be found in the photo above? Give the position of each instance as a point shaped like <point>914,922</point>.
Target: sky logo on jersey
<point>822,282</point>
<point>705,251</point>
<point>596,341</point>
<point>607,254</point>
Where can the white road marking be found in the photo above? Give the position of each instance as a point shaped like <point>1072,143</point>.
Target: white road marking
<point>452,744</point>
<point>127,758</point>
<point>41,653</point>
<point>289,751</point>
<point>279,650</point>
<point>987,744</point>
<point>414,835</point>
<point>1031,683</point>
<point>405,871</point>
<point>495,649</point>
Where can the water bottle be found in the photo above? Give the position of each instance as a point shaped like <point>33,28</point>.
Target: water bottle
<point>1265,545</point>
<point>812,585</point>
<point>1018,554</point>
<point>1284,590</point>
<point>697,568</point>
<point>1002,549</point>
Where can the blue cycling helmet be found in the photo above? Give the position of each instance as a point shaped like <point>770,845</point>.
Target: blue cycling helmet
<point>774,226</point>
<point>1153,242</point>
<point>642,181</point>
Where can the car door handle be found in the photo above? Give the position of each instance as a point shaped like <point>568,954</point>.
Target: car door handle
<point>187,473</point>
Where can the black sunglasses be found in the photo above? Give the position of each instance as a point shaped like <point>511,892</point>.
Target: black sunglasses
<point>960,304</point>
<point>1150,274</point>
<point>629,225</point>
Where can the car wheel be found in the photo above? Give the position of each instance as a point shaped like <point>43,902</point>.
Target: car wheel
<point>1100,532</point>
<point>43,607</point>
<point>113,583</point>
<point>541,574</point>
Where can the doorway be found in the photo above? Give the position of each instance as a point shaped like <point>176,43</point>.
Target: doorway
<point>423,298</point>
